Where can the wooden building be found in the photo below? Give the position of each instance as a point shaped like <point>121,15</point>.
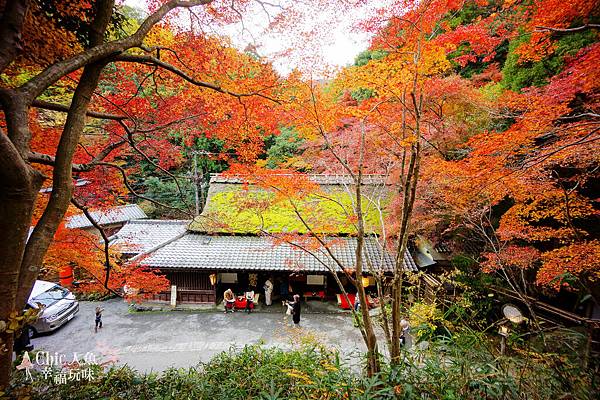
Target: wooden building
<point>225,247</point>
<point>201,266</point>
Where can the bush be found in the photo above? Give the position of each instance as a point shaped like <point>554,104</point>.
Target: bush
<point>252,373</point>
<point>469,366</point>
<point>457,366</point>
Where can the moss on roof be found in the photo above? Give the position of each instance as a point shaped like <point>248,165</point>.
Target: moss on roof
<point>235,209</point>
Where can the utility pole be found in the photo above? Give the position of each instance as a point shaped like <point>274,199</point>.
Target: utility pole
<point>195,179</point>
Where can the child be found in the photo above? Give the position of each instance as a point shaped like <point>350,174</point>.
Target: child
<point>98,318</point>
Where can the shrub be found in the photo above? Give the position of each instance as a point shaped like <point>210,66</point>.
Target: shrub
<point>468,366</point>
<point>254,372</point>
<point>463,365</point>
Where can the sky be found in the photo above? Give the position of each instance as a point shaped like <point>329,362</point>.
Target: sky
<point>323,41</point>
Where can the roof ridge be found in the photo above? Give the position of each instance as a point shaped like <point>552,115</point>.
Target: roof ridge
<point>126,205</point>
<point>163,221</point>
<point>188,250</point>
<point>104,209</point>
<point>322,179</point>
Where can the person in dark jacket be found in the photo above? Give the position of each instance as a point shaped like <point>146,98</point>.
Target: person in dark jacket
<point>98,318</point>
<point>295,309</point>
<point>22,341</point>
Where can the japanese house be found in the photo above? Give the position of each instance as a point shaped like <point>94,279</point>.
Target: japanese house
<point>226,248</point>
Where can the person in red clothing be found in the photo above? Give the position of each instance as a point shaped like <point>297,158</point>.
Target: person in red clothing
<point>229,300</point>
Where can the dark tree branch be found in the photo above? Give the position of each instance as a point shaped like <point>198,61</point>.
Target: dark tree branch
<point>35,86</point>
<point>107,264</point>
<point>567,30</point>
<point>134,146</point>
<point>133,192</point>
<point>150,60</point>
<point>45,159</point>
<point>46,105</point>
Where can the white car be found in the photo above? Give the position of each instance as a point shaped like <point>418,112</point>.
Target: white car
<point>58,306</point>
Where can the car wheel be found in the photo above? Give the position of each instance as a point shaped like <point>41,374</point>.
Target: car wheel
<point>32,332</point>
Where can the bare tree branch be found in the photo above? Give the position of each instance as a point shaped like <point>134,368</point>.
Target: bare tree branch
<point>96,225</point>
<point>45,159</point>
<point>566,30</point>
<point>35,86</point>
<point>150,60</point>
<point>133,192</point>
<point>134,146</point>
<point>46,105</point>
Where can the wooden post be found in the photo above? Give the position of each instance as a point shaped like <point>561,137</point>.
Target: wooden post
<point>173,295</point>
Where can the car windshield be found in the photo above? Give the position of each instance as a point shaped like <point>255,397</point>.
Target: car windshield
<point>51,296</point>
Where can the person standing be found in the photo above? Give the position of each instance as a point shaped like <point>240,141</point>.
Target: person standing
<point>249,301</point>
<point>22,341</point>
<point>405,326</point>
<point>268,291</point>
<point>296,309</point>
<point>98,318</point>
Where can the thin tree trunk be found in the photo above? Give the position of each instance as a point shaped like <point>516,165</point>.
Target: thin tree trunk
<point>409,195</point>
<point>371,339</point>
<point>385,319</point>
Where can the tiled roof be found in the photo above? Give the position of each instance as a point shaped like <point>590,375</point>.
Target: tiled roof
<point>78,183</point>
<point>107,216</point>
<point>197,251</point>
<point>320,179</point>
<point>142,235</point>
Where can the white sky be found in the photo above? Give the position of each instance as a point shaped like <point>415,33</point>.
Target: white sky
<point>335,44</point>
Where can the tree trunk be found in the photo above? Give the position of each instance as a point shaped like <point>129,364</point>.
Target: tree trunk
<point>11,26</point>
<point>371,339</point>
<point>410,189</point>
<point>385,320</point>
<point>22,253</point>
<point>395,334</point>
<point>19,186</point>
<point>409,195</point>
<point>62,183</point>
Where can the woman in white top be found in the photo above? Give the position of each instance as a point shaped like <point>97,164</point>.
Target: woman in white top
<point>268,291</point>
